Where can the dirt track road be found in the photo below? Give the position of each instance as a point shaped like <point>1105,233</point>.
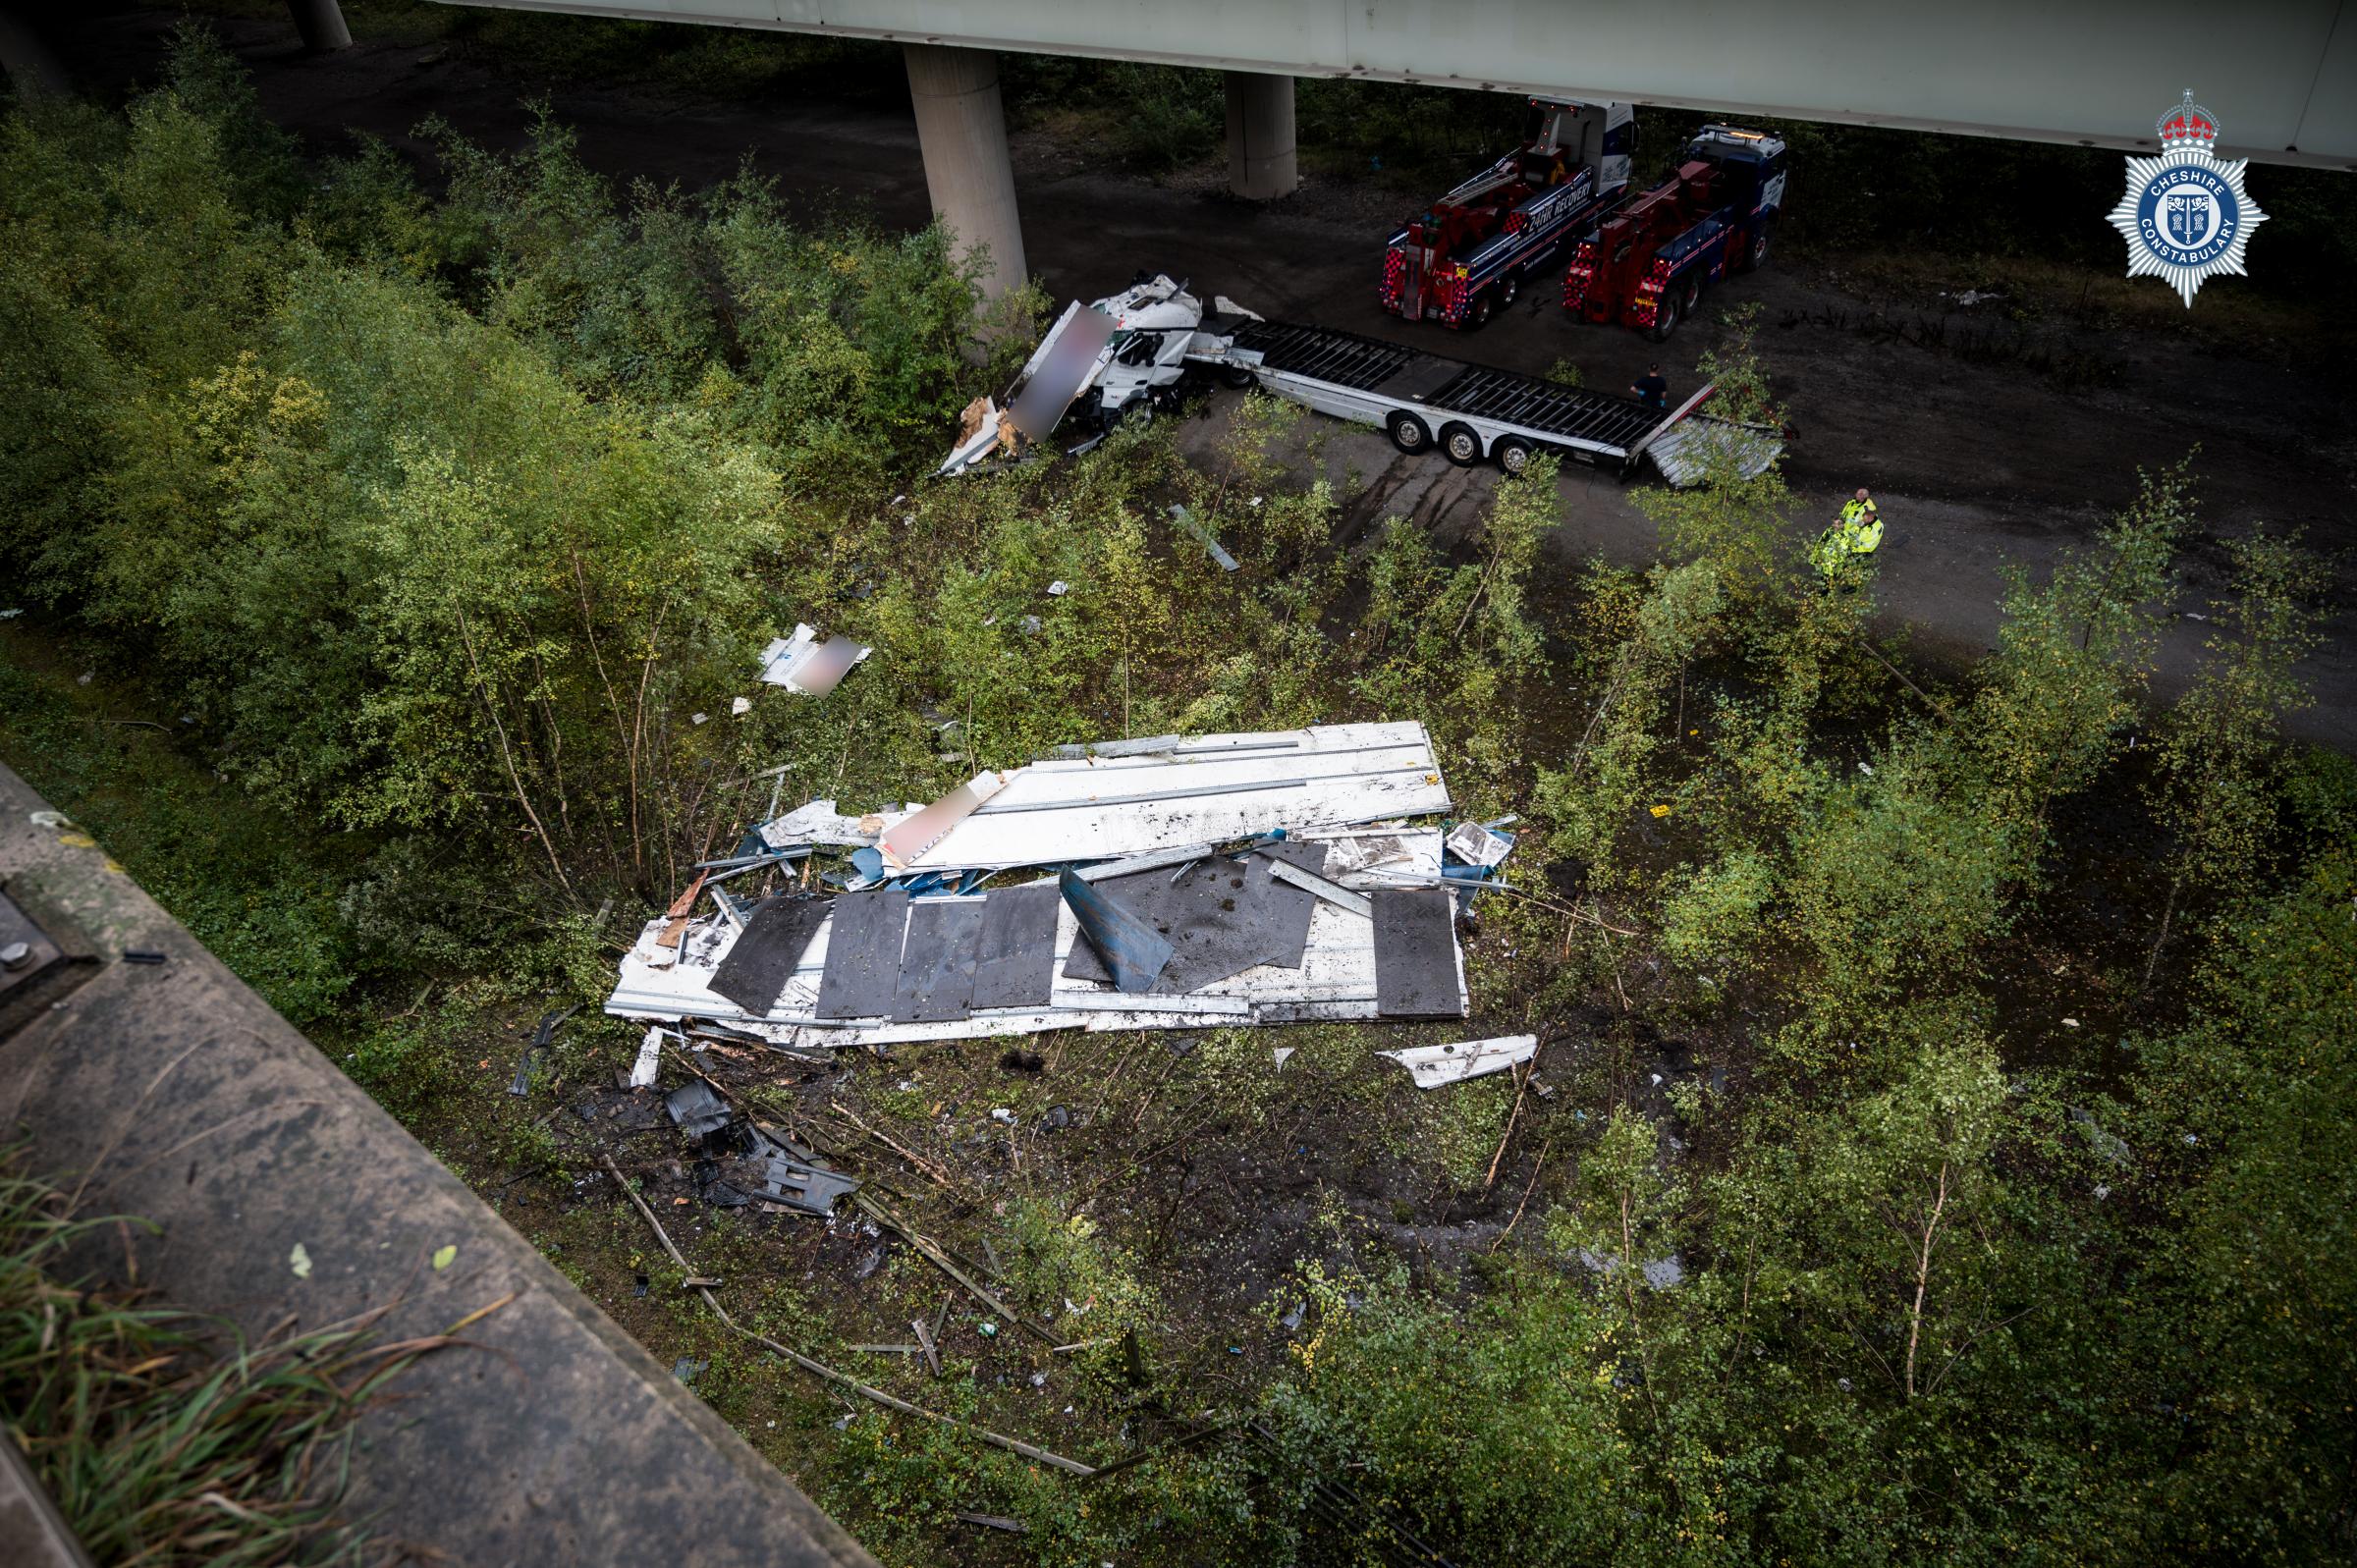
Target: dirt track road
<point>1979,459</point>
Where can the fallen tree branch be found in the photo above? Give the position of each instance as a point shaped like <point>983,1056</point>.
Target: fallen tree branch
<point>818,1369</point>
<point>931,1251</point>
<point>1937,706</point>
<point>1522,1088</point>
<point>922,1164</point>
<point>1543,1151</point>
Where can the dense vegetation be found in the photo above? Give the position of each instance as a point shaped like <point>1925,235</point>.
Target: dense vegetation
<point>1982,1054</point>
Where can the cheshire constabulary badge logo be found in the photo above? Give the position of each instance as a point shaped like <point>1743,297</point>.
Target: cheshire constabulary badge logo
<point>2186,217</point>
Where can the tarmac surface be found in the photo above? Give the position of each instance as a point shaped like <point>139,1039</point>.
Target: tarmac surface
<point>1998,444</point>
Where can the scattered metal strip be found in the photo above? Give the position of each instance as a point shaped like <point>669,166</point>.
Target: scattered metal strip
<point>1155,860</point>
<point>1333,893</point>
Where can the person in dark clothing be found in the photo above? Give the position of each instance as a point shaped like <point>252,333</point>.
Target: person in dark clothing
<point>1652,390</point>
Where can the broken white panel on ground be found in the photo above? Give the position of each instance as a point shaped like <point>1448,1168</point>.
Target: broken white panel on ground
<point>1367,858</point>
<point>804,664</point>
<point>905,842</point>
<point>1476,845</point>
<point>1118,801</point>
<point>1434,1067</point>
<point>1335,984</point>
<point>819,823</point>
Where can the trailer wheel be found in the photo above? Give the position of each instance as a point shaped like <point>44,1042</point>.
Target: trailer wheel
<point>1237,376</point>
<point>1407,432</point>
<point>1755,254</point>
<point>1665,318</point>
<point>1462,446</point>
<point>1513,453</point>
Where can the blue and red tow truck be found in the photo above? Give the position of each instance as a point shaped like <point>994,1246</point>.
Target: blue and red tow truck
<point>1648,264</point>
<point>1469,255</point>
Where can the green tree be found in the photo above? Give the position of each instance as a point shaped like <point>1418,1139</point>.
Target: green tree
<point>2220,756</point>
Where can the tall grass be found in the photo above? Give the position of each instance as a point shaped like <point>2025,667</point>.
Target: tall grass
<point>166,1438</point>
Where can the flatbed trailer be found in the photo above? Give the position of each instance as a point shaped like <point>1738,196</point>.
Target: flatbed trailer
<point>1471,413</point>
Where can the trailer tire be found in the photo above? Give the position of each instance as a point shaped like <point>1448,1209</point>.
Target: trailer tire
<point>1407,431</point>
<point>1513,453</point>
<point>1238,377</point>
<point>1462,443</point>
<point>1665,318</point>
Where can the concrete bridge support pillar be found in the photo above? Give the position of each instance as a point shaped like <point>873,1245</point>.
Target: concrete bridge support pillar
<point>1260,135</point>
<point>321,24</point>
<point>961,128</point>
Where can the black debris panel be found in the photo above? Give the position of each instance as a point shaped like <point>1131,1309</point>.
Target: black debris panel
<point>538,1050</point>
<point>1132,949</point>
<point>1219,916</point>
<point>1415,954</point>
<point>937,961</point>
<point>696,1109</point>
<point>797,1184</point>
<point>863,955</point>
<point>764,956</point>
<point>1291,906</point>
<point>1014,964</point>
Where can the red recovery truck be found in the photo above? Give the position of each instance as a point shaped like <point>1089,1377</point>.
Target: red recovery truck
<point>1647,265</point>
<point>1467,257</point>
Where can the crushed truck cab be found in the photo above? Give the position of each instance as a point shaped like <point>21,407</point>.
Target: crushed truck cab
<point>1119,359</point>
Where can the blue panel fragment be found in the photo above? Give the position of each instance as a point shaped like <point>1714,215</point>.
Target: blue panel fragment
<point>1132,949</point>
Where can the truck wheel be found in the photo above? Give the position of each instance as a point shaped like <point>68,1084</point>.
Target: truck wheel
<point>1509,287</point>
<point>1407,432</point>
<point>1755,254</point>
<point>1485,304</point>
<point>1462,445</point>
<point>1693,294</point>
<point>1513,453</point>
<point>1665,318</point>
<point>1237,376</point>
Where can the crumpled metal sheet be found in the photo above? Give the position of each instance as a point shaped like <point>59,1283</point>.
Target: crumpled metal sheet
<point>1434,1067</point>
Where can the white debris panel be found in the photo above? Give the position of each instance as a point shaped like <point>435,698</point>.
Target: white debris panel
<point>1191,882</point>
<point>1436,1066</point>
<point>1335,984</point>
<point>806,665</point>
<point>1134,797</point>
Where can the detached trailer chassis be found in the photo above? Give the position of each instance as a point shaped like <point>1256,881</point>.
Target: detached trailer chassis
<point>1471,413</point>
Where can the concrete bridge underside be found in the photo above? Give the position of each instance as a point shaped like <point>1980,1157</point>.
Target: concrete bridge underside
<point>2280,75</point>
